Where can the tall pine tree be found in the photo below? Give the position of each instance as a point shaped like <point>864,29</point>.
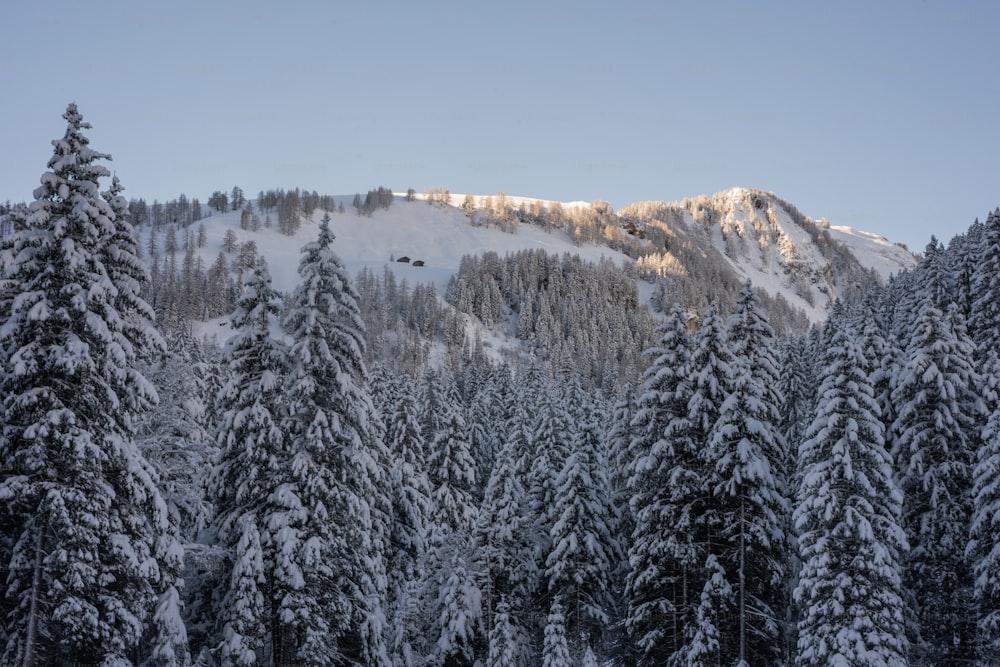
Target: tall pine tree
<point>748,488</point>
<point>331,531</point>
<point>935,441</point>
<point>253,463</point>
<point>665,481</point>
<point>93,542</point>
<point>848,518</point>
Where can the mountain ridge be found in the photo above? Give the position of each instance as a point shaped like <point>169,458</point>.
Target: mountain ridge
<point>696,252</point>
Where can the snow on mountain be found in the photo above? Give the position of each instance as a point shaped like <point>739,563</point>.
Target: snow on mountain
<point>435,235</point>
<point>768,240</point>
<point>763,238</point>
<point>755,234</point>
<point>874,251</point>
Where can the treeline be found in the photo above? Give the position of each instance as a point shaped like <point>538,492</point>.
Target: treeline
<point>289,208</point>
<point>379,198</point>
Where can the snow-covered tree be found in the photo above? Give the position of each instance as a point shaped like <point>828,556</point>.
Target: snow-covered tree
<point>458,607</point>
<point>848,519</point>
<point>243,604</point>
<point>452,473</point>
<point>330,531</point>
<point>934,446</point>
<point>547,424</point>
<point>555,652</point>
<point>584,546</point>
<point>431,401</point>
<point>710,371</point>
<point>122,259</point>
<point>748,485</point>
<point>984,545</point>
<point>252,466</point>
<point>411,498</point>
<point>984,319</point>
<point>92,542</point>
<point>501,548</point>
<point>665,480</point>
<point>504,645</point>
<point>452,601</point>
<point>706,633</point>
<point>411,488</point>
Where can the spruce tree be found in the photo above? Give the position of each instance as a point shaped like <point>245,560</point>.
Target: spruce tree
<point>332,528</point>
<point>452,599</point>
<point>984,320</point>
<point>92,540</point>
<point>748,485</point>
<point>938,408</point>
<point>411,498</point>
<point>583,537</point>
<point>848,519</point>
<point>501,546</point>
<point>244,630</point>
<point>555,652</point>
<point>504,648</point>
<point>983,551</point>
<point>665,480</point>
<point>709,378</point>
<point>411,488</point>
<point>253,465</point>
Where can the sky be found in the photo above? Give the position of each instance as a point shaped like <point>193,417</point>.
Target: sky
<point>882,116</point>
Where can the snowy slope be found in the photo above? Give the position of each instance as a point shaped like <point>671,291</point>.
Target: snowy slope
<point>874,251</point>
<point>439,236</point>
<point>765,239</point>
<point>753,232</point>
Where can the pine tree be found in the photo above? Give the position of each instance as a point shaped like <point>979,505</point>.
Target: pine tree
<point>748,486</point>
<point>330,535</point>
<point>665,479</point>
<point>848,517</point>
<point>452,600</point>
<point>984,321</point>
<point>504,649</point>
<point>555,652</point>
<point>934,445</point>
<point>252,467</point>
<point>982,549</point>
<point>92,540</point>
<point>584,549</point>
<point>411,498</point>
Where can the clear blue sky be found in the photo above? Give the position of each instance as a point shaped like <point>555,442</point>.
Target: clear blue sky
<point>878,115</point>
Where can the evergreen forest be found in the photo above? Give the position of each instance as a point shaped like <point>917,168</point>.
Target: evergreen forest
<point>353,478</point>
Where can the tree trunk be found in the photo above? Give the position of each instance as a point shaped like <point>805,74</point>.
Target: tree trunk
<point>31,637</point>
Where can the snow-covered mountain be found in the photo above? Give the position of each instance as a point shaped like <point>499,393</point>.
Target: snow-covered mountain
<point>699,245</point>
<point>759,236</point>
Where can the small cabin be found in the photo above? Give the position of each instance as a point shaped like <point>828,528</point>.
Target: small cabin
<point>419,262</point>
<point>404,259</point>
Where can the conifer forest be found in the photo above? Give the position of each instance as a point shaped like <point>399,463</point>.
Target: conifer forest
<point>704,477</point>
